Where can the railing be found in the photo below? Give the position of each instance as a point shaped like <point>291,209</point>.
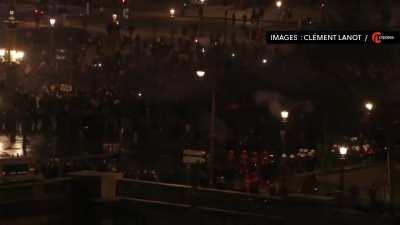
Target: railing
<point>34,190</point>
<point>179,204</point>
<point>195,197</point>
<point>172,193</point>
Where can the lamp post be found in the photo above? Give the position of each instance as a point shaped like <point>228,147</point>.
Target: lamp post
<point>12,24</point>
<point>52,22</point>
<point>172,13</point>
<point>343,154</point>
<point>284,117</point>
<point>278,4</point>
<point>369,107</point>
<point>212,134</point>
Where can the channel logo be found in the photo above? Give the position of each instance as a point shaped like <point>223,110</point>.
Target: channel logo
<point>378,37</point>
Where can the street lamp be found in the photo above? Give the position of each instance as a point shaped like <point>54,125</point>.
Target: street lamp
<point>369,106</point>
<point>200,73</point>
<point>172,12</point>
<point>212,134</point>
<point>52,22</point>
<point>343,153</point>
<point>264,61</point>
<point>285,116</point>
<point>278,4</point>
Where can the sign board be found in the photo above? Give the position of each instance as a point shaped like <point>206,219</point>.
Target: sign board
<point>193,160</point>
<point>65,87</point>
<point>194,156</point>
<point>194,153</point>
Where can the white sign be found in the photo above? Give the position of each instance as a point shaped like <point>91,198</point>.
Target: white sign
<point>197,153</point>
<point>193,160</point>
<point>194,156</point>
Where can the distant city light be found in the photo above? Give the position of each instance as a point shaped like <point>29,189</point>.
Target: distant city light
<point>52,21</point>
<point>2,52</point>
<point>15,56</point>
<point>343,150</point>
<point>369,106</point>
<point>114,17</point>
<point>200,73</point>
<point>264,61</point>
<point>284,115</point>
<point>278,4</point>
<point>172,12</point>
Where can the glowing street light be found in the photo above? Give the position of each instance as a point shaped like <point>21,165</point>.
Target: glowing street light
<point>343,151</point>
<point>200,73</point>
<point>172,12</point>
<point>284,115</point>
<point>52,22</point>
<point>278,4</point>
<point>264,61</point>
<point>369,106</point>
<point>114,17</point>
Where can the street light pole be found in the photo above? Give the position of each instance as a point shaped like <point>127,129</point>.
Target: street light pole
<point>52,22</point>
<point>285,116</point>
<point>12,23</point>
<point>343,152</point>
<point>211,159</point>
<point>341,181</point>
<point>212,133</point>
<point>369,106</point>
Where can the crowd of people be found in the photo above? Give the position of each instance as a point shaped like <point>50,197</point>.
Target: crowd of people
<point>254,171</point>
<point>133,90</point>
